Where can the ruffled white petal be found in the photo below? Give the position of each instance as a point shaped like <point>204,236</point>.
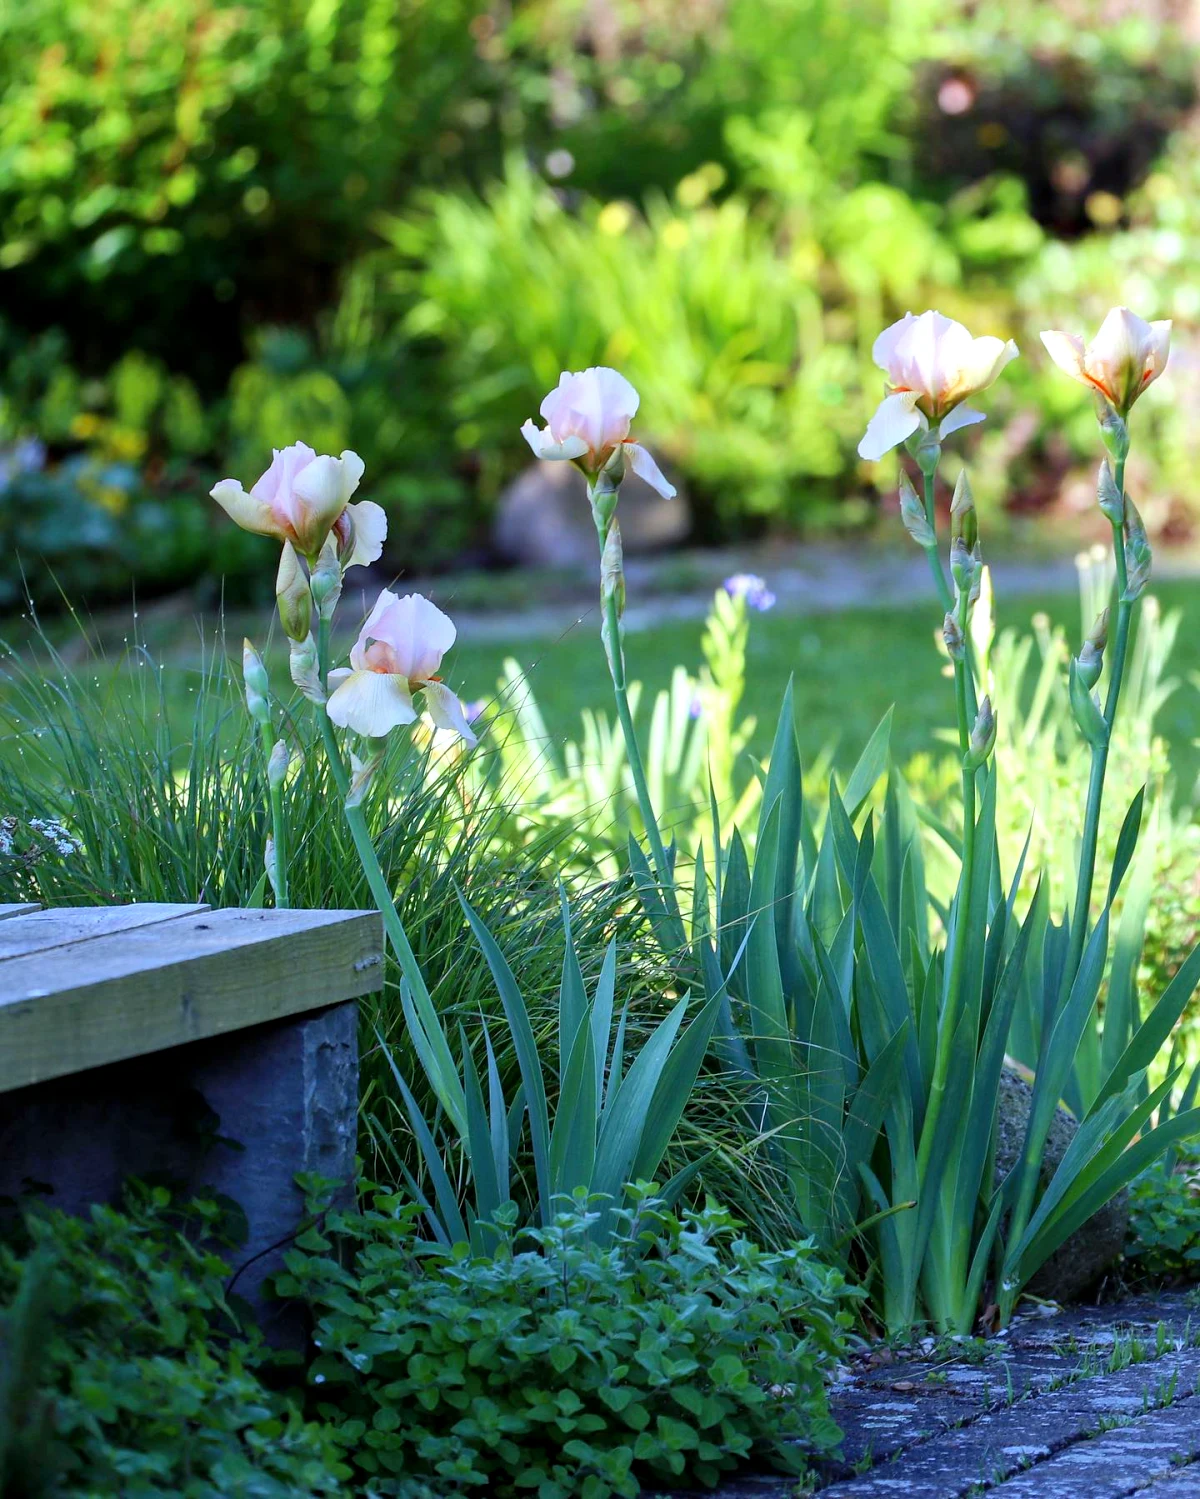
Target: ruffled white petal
<point>885,346</point>
<point>618,399</point>
<point>371,703</point>
<point>370,532</point>
<point>382,604</point>
<point>419,634</point>
<point>285,464</point>
<point>896,419</point>
<point>1160,345</point>
<point>961,416</point>
<point>982,363</point>
<point>595,405</point>
<point>320,484</point>
<point>544,445</point>
<point>353,469</point>
<point>936,348</point>
<point>1120,341</point>
<point>246,510</point>
<point>1067,351</point>
<point>534,436</point>
<point>644,466</point>
<point>443,706</point>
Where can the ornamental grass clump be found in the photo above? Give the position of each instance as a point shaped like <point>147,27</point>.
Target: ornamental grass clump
<point>864,1026</point>
<point>618,1104</point>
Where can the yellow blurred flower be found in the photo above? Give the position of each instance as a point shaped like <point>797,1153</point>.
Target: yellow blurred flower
<point>614,219</point>
<point>110,498</point>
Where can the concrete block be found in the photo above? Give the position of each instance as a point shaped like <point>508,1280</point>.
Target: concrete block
<point>240,1115</point>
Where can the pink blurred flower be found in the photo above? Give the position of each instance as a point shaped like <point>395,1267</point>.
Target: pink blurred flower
<point>587,417</point>
<point>398,652</point>
<point>1126,355</point>
<point>301,498</point>
<point>932,365</point>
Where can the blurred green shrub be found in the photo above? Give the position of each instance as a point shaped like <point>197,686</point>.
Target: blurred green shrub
<point>191,159</point>
<point>745,345</point>
<point>726,198</point>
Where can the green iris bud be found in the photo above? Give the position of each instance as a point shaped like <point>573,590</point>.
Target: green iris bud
<point>912,513</point>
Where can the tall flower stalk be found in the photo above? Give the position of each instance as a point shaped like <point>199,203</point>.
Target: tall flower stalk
<point>588,417</point>
<point>1120,363</point>
<point>276,759</point>
<point>398,651</point>
<point>921,357</point>
<point>304,501</point>
<point>976,738</point>
<point>1127,355</point>
<point>932,365</point>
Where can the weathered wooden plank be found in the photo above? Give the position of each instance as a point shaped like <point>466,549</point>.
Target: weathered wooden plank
<point>60,926</point>
<point>17,910</point>
<point>149,988</point>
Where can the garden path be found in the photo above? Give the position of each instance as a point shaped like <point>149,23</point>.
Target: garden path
<point>815,579</point>
<point>1094,1403</point>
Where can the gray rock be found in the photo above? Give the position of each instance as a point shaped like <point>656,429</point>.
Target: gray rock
<point>1084,1257</point>
<point>543,520</point>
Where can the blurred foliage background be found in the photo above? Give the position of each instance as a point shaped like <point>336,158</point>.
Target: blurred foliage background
<point>388,224</point>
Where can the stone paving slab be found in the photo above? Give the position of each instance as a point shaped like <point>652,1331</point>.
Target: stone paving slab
<point>1090,1403</point>
<point>1040,1433</point>
<point>1129,1460</point>
<point>1184,1483</point>
<point>893,1407</point>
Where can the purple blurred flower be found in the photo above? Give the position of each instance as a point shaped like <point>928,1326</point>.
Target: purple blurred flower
<point>475,709</point>
<point>696,706</point>
<point>26,456</point>
<point>752,588</point>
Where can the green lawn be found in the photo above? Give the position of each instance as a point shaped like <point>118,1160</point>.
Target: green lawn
<point>848,668</point>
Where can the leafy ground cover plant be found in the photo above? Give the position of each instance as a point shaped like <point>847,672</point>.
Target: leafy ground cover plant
<point>672,1354</point>
<point>1164,1218</point>
<point>677,1352</point>
<point>124,1373</point>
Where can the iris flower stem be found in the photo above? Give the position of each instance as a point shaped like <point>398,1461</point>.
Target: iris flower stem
<point>611,598</point>
<point>1087,867</point>
<point>278,821</point>
<point>940,581</point>
<point>658,852</point>
<point>1095,793</point>
<point>952,1007</point>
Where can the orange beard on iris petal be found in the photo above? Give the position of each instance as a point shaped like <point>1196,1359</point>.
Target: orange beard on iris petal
<point>379,656</point>
<point>1109,395</point>
<point>1122,401</point>
<point>924,403</point>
